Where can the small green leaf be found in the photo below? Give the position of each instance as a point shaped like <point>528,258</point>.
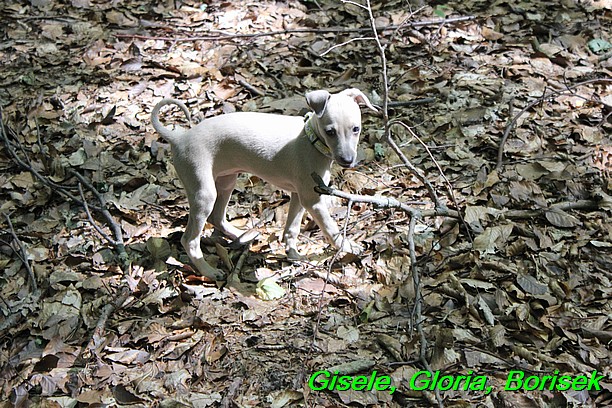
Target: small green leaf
<point>379,151</point>
<point>440,11</point>
<point>159,248</point>
<point>598,45</point>
<point>268,289</point>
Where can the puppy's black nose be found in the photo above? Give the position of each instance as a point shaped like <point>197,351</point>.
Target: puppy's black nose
<point>346,162</point>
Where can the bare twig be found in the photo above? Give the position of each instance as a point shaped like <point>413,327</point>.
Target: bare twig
<point>386,202</point>
<point>406,21</point>
<point>383,63</point>
<point>354,3</point>
<point>418,304</point>
<point>330,49</point>
<point>328,275</point>
<point>242,259</point>
<point>385,112</point>
<point>24,253</point>
<point>90,218</point>
<point>114,227</point>
<point>414,170</point>
<point>420,101</point>
<point>586,205</point>
<point>553,94</point>
<point>251,88</point>
<point>425,181</point>
<point>381,202</point>
<point>414,214</point>
<point>89,350</point>
<point>223,36</point>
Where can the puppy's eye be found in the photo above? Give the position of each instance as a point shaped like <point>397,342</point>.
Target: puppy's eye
<point>331,132</point>
<point>356,129</point>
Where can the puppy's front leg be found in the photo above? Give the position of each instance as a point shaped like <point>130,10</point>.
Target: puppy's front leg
<point>292,228</point>
<point>320,212</point>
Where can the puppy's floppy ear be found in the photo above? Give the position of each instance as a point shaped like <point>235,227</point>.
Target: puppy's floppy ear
<point>359,97</point>
<point>317,100</point>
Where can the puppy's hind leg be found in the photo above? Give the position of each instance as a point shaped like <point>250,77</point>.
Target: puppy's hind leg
<point>200,206</point>
<point>218,217</point>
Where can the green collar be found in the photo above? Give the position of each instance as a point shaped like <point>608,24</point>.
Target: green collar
<point>316,141</point>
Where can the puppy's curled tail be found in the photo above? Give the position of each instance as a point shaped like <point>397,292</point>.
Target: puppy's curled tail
<point>169,135</point>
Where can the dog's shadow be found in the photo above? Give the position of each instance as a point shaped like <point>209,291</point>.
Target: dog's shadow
<point>245,264</point>
<point>239,262</point>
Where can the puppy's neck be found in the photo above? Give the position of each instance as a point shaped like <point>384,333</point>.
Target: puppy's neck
<point>314,138</point>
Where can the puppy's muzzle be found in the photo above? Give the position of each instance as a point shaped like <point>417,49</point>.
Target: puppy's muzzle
<point>345,161</point>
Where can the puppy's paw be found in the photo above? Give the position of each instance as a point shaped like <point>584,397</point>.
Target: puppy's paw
<point>207,270</point>
<point>294,255</point>
<point>228,231</point>
<point>215,274</point>
<point>351,246</point>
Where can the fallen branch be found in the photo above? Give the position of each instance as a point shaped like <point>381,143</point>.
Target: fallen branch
<point>414,214</point>
<point>24,253</point>
<point>449,186</point>
<point>246,248</point>
<point>328,275</point>
<point>385,111</point>
<point>381,202</point>
<point>553,94</point>
<point>586,205</point>
<point>251,88</point>
<point>223,36</point>
<point>90,217</point>
<point>419,101</point>
<point>89,350</point>
<point>114,227</point>
<point>418,306</point>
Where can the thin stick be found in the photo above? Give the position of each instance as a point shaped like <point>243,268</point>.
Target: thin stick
<point>89,350</point>
<point>24,253</point>
<point>91,220</point>
<point>381,202</point>
<point>243,257</point>
<point>385,113</point>
<point>114,227</point>
<point>420,101</point>
<point>232,36</point>
<point>449,186</point>
<point>383,62</point>
<point>251,88</point>
<point>354,3</point>
<point>328,274</point>
<point>414,215</point>
<point>416,171</point>
<point>345,43</point>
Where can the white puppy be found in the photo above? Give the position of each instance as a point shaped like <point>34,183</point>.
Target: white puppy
<point>283,150</point>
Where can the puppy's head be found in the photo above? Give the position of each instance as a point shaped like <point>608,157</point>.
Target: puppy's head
<point>337,120</point>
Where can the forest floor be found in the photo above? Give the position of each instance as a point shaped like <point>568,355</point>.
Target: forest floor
<point>521,282</point>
